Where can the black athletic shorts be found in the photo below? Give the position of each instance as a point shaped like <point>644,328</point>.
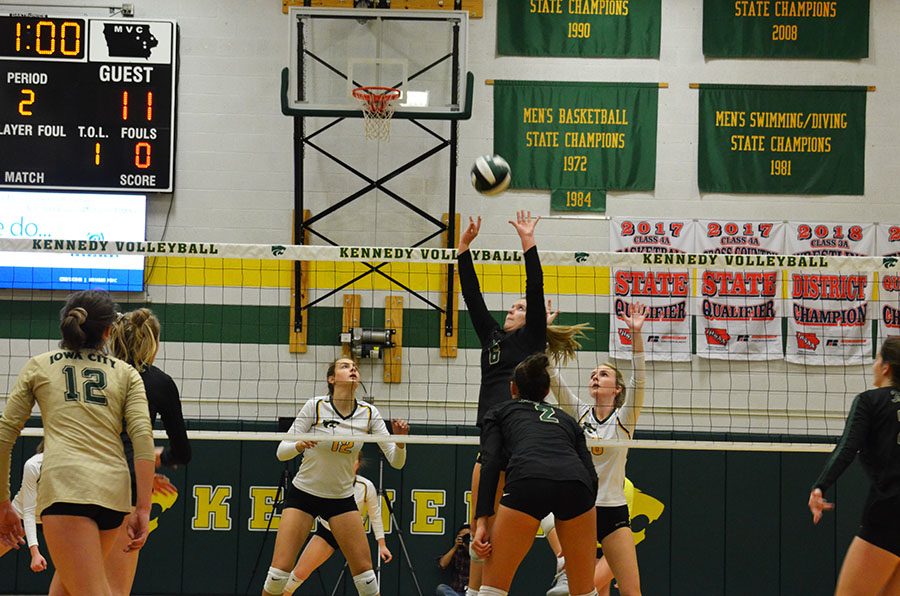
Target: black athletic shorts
<point>106,519</point>
<point>610,519</point>
<point>326,535</point>
<point>538,496</point>
<point>881,523</point>
<point>317,506</point>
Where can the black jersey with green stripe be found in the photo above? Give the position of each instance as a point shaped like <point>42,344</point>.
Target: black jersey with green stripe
<point>531,440</point>
<point>873,431</point>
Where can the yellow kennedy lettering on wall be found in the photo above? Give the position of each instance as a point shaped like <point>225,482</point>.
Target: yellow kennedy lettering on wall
<point>427,506</point>
<point>212,511</point>
<point>262,499</point>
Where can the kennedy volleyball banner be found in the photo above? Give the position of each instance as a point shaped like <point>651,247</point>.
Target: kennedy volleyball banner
<point>582,137</point>
<point>667,330</point>
<point>579,28</point>
<point>829,313</point>
<point>826,29</point>
<point>782,140</point>
<point>739,312</point>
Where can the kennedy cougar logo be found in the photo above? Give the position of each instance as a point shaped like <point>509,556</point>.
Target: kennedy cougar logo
<point>889,262</point>
<point>330,423</point>
<point>581,257</point>
<point>807,341</point>
<point>278,250</point>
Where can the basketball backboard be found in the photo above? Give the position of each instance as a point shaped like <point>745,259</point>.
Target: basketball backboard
<point>420,52</point>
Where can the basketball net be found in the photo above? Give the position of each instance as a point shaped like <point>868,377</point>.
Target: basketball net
<point>378,104</point>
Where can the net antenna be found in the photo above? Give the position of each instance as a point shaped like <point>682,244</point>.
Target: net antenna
<point>378,105</point>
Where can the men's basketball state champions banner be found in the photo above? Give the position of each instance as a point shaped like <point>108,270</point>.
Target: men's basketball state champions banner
<point>887,244</point>
<point>829,29</point>
<point>782,140</point>
<point>583,137</point>
<point>739,312</point>
<point>667,293</point>
<point>828,312</point>
<point>579,28</point>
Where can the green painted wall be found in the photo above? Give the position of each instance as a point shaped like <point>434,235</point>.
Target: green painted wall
<point>732,523</point>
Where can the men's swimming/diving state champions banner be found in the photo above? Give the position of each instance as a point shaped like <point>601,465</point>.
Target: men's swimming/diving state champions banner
<point>887,244</point>
<point>828,318</point>
<point>827,29</point>
<point>579,28</point>
<point>667,293</point>
<point>577,136</point>
<point>739,311</point>
<point>782,140</point>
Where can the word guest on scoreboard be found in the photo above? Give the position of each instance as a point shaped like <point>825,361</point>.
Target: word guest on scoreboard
<point>87,103</point>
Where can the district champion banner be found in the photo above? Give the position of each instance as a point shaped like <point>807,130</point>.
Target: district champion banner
<point>667,330</point>
<point>829,313</point>
<point>579,28</point>
<point>739,312</point>
<point>577,136</point>
<point>782,140</point>
<point>829,29</point>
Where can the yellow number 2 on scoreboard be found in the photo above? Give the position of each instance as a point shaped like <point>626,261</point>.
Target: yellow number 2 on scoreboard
<point>25,103</point>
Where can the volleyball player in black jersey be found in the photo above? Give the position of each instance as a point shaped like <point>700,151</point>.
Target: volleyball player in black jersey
<point>872,563</point>
<point>524,331</point>
<point>548,470</point>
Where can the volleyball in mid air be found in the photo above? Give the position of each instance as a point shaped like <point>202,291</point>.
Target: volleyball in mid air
<point>491,175</point>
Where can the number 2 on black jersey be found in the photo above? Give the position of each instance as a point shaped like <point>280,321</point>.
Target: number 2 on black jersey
<point>548,414</point>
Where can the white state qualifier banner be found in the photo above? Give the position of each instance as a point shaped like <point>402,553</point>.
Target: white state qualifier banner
<point>667,330</point>
<point>739,311</point>
<point>887,244</point>
<point>828,316</point>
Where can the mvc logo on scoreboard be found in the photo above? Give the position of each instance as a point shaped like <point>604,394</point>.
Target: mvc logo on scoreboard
<point>125,41</point>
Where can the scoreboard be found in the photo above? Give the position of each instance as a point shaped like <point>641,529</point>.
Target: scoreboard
<point>87,103</point>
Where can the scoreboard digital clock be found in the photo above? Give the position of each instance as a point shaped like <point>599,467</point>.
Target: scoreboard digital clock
<point>87,104</point>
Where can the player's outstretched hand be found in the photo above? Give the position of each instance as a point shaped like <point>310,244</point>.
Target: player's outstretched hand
<point>469,234</point>
<point>400,426</point>
<point>551,313</point>
<point>637,315</point>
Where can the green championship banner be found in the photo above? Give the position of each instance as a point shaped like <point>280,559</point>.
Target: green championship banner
<point>577,136</point>
<point>829,29</point>
<point>782,140</point>
<point>579,28</point>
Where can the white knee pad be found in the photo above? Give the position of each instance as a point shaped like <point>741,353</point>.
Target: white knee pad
<point>366,583</point>
<point>489,591</point>
<point>276,579</point>
<point>292,584</point>
<point>548,523</point>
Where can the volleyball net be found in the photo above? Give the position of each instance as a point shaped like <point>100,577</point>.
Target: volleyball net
<point>765,350</point>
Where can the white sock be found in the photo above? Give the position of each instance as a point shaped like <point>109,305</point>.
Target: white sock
<point>560,563</point>
<point>489,591</point>
<point>293,583</point>
<point>471,592</point>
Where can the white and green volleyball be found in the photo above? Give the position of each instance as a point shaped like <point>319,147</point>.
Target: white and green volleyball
<point>490,174</point>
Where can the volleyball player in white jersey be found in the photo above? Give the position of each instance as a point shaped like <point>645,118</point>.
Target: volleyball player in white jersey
<point>323,486</point>
<point>322,543</point>
<point>610,416</point>
<point>25,503</point>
